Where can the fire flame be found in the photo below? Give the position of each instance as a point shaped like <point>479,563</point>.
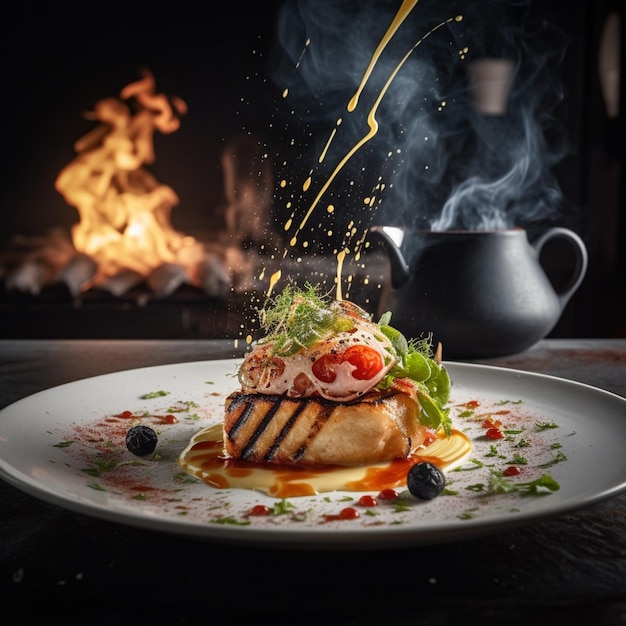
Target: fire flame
<point>124,211</point>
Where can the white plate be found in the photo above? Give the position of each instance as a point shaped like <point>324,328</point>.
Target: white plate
<point>583,451</point>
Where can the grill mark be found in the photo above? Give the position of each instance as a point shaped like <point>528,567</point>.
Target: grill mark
<point>316,427</point>
<point>249,447</point>
<point>253,401</point>
<point>243,418</point>
<point>299,453</point>
<point>274,447</point>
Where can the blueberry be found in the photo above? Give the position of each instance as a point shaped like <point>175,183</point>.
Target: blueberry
<point>141,440</point>
<point>425,481</point>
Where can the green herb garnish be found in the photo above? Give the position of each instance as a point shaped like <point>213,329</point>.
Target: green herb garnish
<point>298,318</point>
<point>415,361</point>
<point>154,394</point>
<point>499,484</point>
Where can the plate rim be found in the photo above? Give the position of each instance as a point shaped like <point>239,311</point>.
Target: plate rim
<point>281,537</point>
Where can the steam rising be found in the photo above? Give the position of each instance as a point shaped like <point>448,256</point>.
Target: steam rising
<point>445,160</point>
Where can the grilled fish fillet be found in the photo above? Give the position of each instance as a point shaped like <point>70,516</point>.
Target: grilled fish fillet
<point>276,429</point>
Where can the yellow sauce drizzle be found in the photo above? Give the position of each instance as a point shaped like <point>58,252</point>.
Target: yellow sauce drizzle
<point>341,255</point>
<point>403,11</point>
<point>204,459</point>
<point>371,121</point>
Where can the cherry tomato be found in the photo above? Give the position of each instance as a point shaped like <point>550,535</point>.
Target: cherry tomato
<point>366,360</point>
<point>324,368</point>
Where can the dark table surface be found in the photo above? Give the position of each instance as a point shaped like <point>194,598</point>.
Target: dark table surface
<point>69,568</point>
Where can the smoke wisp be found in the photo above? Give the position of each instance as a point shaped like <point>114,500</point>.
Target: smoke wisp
<point>443,157</point>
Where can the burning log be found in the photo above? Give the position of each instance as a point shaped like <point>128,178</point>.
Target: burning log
<point>78,274</point>
<point>29,277</point>
<point>121,283</point>
<point>33,263</point>
<point>167,278</point>
<point>213,277</point>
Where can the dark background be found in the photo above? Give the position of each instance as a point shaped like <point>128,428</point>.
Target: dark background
<point>58,63</point>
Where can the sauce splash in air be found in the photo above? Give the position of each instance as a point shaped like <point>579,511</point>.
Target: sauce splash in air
<point>372,125</point>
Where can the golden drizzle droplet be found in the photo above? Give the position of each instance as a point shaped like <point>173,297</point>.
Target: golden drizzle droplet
<point>341,255</point>
<point>403,11</point>
<point>330,140</point>
<point>274,278</point>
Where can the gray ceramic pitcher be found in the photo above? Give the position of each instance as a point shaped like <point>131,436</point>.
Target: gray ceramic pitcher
<point>480,293</point>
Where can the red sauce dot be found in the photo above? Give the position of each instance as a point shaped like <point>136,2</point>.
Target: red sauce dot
<point>367,501</point>
<point>494,433</point>
<point>489,422</point>
<point>388,494</point>
<point>511,471</point>
<point>472,404</point>
<point>349,513</point>
<point>126,414</point>
<point>170,419</point>
<point>260,509</point>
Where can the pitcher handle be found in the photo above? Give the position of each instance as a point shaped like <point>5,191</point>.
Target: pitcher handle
<point>580,269</point>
